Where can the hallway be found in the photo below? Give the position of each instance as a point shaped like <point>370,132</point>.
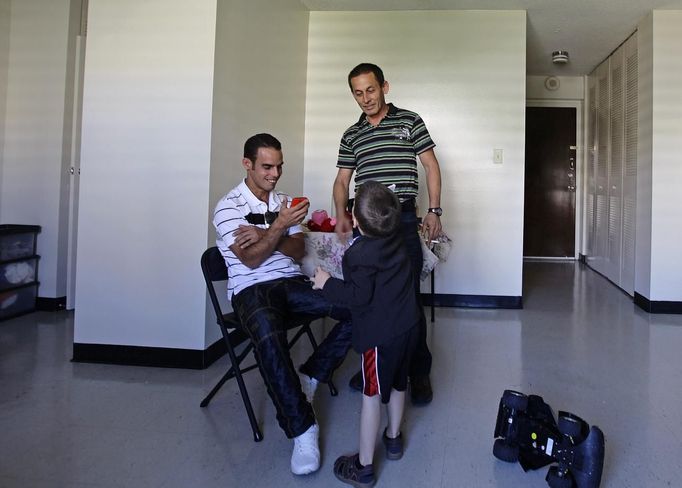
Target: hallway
<point>579,342</point>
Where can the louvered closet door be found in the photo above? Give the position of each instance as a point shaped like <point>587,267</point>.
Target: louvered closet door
<point>601,169</point>
<point>590,165</point>
<point>615,178</point>
<point>627,273</point>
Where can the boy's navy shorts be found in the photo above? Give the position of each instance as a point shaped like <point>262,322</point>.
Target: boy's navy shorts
<point>386,367</point>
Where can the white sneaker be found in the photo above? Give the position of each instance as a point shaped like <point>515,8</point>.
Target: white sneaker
<point>308,385</point>
<point>306,456</point>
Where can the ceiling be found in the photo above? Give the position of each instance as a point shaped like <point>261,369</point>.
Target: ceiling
<point>588,29</point>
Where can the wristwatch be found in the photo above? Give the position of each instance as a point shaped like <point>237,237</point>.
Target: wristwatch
<point>436,210</point>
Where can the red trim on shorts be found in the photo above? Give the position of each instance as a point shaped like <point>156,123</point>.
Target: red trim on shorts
<point>369,372</point>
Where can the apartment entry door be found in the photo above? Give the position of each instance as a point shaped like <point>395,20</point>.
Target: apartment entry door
<point>550,182</point>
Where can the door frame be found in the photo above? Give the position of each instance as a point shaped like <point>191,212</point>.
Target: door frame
<point>75,170</point>
<point>579,169</point>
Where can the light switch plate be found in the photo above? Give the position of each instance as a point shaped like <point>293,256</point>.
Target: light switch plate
<point>498,156</point>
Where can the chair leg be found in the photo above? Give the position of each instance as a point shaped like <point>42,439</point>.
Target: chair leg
<point>230,374</point>
<point>236,372</point>
<point>257,434</point>
<point>207,400</point>
<point>332,388</point>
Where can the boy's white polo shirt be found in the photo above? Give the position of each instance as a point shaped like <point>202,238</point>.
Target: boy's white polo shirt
<point>229,214</point>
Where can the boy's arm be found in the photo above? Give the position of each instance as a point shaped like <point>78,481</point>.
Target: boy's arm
<point>357,290</point>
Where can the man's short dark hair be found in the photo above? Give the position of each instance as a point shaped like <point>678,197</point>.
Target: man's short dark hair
<point>365,68</point>
<point>254,143</point>
<point>376,209</point>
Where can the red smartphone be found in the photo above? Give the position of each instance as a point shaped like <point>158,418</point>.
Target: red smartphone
<point>298,200</point>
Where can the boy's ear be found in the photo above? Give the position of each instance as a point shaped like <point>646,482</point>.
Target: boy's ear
<point>247,163</point>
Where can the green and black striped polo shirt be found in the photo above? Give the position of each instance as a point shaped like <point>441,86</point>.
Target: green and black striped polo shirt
<point>388,152</point>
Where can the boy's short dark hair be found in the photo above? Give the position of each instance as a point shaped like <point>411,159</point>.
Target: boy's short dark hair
<point>365,68</point>
<point>376,209</point>
<point>254,143</point>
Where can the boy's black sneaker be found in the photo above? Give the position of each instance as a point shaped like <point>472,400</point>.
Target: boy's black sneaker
<point>357,382</point>
<point>420,390</point>
<point>349,470</point>
<point>394,447</point>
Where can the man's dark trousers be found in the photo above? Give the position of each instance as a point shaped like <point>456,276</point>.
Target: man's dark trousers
<point>421,361</point>
<point>263,309</point>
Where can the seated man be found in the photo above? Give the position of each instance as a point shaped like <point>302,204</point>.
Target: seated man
<point>260,238</point>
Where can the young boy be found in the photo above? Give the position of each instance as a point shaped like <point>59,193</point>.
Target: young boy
<point>378,288</point>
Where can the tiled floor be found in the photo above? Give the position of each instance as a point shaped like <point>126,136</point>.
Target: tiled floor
<point>579,342</point>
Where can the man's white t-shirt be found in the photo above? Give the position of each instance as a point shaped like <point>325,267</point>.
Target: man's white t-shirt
<point>229,214</point>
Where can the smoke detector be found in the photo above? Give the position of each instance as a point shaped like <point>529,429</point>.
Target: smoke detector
<point>560,57</point>
<point>552,83</point>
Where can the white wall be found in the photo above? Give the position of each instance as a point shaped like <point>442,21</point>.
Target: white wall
<point>36,96</point>
<point>666,217</point>
<point>570,88</point>
<point>163,131</point>
<point>645,74</point>
<point>4,61</point>
<point>260,77</point>
<point>145,162</point>
<point>464,73</point>
<point>659,173</point>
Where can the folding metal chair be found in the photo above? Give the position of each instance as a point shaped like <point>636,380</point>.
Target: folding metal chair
<point>214,269</point>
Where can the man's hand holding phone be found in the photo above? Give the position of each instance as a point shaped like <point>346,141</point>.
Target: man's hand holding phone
<point>295,212</point>
<point>296,200</point>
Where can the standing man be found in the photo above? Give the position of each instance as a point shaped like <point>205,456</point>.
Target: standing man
<point>260,238</point>
<point>383,145</point>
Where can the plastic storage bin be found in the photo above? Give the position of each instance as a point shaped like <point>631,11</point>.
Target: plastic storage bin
<point>18,270</point>
<point>18,301</point>
<point>17,241</point>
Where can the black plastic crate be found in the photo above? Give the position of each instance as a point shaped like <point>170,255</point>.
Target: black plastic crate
<point>18,301</point>
<point>18,241</point>
<point>18,272</point>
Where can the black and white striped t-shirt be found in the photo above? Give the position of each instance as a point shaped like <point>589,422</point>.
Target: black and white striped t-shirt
<point>388,152</point>
<point>229,214</point>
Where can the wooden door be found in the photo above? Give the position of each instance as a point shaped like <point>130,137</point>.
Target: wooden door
<point>550,182</point>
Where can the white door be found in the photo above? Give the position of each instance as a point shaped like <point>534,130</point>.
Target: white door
<point>75,170</point>
<point>615,181</point>
<point>601,169</point>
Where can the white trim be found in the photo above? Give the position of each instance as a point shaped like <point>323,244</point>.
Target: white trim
<point>579,164</point>
<point>376,370</point>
